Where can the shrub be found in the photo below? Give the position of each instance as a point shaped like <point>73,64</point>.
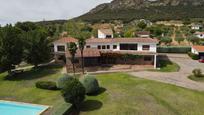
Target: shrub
<point>46,85</point>
<point>61,82</point>
<point>197,73</point>
<point>91,84</point>
<point>74,92</point>
<point>173,49</point>
<point>193,56</point>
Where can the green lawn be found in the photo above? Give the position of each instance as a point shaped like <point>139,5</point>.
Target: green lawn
<point>199,79</point>
<point>126,95</point>
<point>168,66</point>
<point>22,88</point>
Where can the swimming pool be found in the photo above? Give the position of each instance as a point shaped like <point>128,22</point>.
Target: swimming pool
<point>15,108</point>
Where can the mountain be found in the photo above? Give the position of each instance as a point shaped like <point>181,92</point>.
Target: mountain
<point>154,10</point>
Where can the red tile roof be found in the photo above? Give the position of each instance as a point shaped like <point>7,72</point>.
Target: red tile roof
<point>116,40</point>
<point>112,40</point>
<point>198,33</point>
<point>143,33</point>
<point>89,52</point>
<point>199,48</point>
<point>106,31</point>
<point>66,40</point>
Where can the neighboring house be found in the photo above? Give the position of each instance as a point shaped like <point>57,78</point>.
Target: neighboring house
<point>143,34</point>
<point>110,51</point>
<point>196,26</point>
<point>199,50</point>
<point>199,35</point>
<point>105,33</point>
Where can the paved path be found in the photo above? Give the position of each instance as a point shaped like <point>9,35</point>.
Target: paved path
<point>176,78</point>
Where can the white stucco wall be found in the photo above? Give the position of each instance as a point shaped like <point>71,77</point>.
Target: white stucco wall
<point>59,44</point>
<point>102,35</point>
<point>201,36</point>
<point>194,51</point>
<point>153,46</point>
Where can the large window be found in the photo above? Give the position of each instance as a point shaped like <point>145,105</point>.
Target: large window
<point>99,47</point>
<point>128,46</point>
<point>115,47</point>
<point>145,47</point>
<point>61,48</point>
<point>108,36</point>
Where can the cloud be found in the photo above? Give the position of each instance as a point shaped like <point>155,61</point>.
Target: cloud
<point>37,10</point>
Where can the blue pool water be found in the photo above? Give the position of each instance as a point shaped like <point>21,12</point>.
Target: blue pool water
<point>13,108</point>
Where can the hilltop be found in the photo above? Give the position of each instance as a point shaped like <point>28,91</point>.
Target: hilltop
<point>154,10</point>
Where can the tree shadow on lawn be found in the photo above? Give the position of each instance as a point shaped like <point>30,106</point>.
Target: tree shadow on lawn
<point>100,91</point>
<point>34,73</point>
<point>88,105</point>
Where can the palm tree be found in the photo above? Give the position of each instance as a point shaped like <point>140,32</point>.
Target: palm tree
<point>82,43</point>
<point>72,47</point>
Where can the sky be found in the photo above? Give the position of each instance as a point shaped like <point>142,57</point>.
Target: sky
<point>12,11</point>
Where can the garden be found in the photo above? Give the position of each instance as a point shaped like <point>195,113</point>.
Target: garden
<point>115,93</point>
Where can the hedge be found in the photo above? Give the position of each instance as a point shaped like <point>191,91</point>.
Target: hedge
<point>49,85</point>
<point>173,49</point>
<point>193,56</point>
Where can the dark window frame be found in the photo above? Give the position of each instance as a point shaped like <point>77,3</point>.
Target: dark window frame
<point>146,47</point>
<point>103,47</point>
<point>108,47</point>
<point>115,47</point>
<point>61,48</point>
<point>88,46</point>
<point>126,46</point>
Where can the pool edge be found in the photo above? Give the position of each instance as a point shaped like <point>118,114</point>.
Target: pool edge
<point>24,103</point>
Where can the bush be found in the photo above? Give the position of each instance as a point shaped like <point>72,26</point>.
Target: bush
<point>74,92</point>
<point>197,73</point>
<point>193,56</point>
<point>46,85</point>
<point>61,82</point>
<point>91,84</point>
<point>173,49</point>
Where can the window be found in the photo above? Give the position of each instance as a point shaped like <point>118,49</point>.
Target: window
<point>103,47</point>
<point>99,47</point>
<point>147,58</point>
<point>61,48</point>
<point>128,46</point>
<point>108,36</point>
<point>115,47</point>
<point>88,46</point>
<point>145,47</point>
<point>108,46</point>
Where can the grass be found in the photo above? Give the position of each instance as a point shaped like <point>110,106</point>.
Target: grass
<point>127,95</point>
<point>194,78</point>
<point>168,66</point>
<point>22,88</point>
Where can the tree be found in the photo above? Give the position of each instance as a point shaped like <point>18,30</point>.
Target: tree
<point>142,25</point>
<point>74,93</point>
<point>82,43</point>
<point>166,40</point>
<point>179,39</point>
<point>193,39</point>
<point>82,36</point>
<point>11,47</point>
<point>26,26</point>
<point>37,47</point>
<point>72,48</point>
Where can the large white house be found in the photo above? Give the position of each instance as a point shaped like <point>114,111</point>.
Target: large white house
<point>99,51</point>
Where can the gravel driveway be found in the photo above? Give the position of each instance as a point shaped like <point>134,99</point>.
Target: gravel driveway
<point>177,78</point>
